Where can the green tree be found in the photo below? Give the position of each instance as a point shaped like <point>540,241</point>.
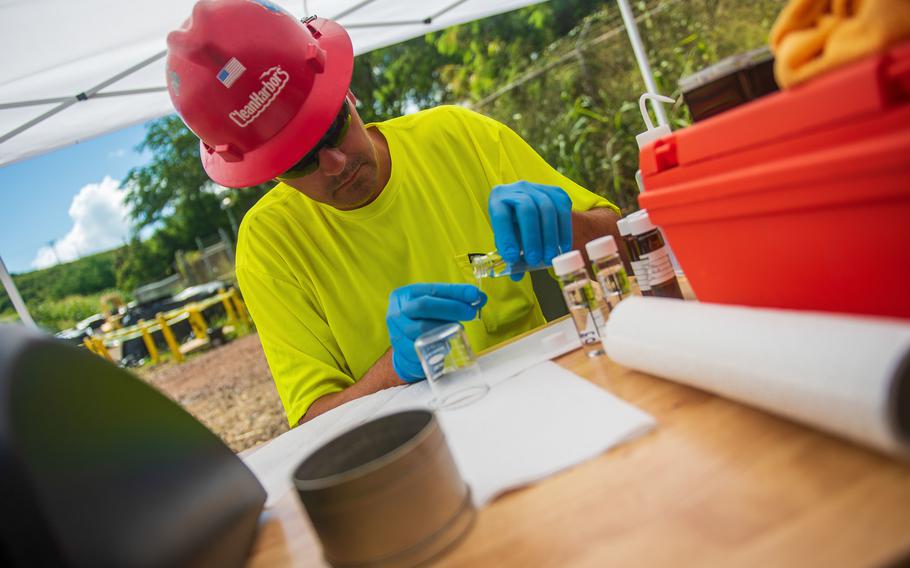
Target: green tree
<point>389,82</point>
<point>461,62</point>
<point>141,262</point>
<point>173,195</point>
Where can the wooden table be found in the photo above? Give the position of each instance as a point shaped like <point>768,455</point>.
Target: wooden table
<point>716,483</point>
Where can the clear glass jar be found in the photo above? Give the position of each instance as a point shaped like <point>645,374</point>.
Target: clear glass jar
<point>639,267</point>
<point>608,269</point>
<point>450,366</point>
<point>585,306</point>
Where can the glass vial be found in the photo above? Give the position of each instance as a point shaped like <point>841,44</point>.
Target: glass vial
<point>586,308</point>
<point>492,265</point>
<point>450,366</point>
<point>639,267</point>
<point>654,252</point>
<point>608,269</point>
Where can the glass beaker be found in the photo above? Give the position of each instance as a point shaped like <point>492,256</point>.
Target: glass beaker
<point>450,366</point>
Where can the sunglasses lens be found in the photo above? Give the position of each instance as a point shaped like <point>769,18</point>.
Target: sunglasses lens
<point>307,169</point>
<point>333,137</point>
<point>302,168</point>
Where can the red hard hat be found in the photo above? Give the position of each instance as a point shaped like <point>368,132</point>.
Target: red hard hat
<point>257,86</point>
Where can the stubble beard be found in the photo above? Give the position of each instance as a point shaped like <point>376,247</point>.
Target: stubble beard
<point>360,190</point>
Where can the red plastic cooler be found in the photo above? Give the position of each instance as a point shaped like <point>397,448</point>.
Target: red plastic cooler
<point>798,200</point>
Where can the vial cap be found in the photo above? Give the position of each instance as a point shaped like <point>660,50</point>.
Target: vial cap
<point>623,224</point>
<point>599,248</point>
<point>641,224</point>
<point>568,262</point>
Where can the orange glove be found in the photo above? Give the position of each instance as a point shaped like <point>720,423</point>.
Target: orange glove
<point>813,36</point>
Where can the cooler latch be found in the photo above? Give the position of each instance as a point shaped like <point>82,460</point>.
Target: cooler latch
<point>897,74</point>
<point>659,156</point>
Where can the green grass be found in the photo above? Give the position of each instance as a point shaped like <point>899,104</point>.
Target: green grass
<point>9,317</point>
<point>60,314</point>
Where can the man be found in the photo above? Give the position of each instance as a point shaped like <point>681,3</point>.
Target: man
<point>351,256</point>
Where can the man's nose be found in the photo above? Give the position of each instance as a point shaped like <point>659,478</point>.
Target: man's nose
<point>332,161</point>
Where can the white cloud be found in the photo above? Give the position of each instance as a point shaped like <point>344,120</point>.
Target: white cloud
<point>118,153</point>
<point>100,221</point>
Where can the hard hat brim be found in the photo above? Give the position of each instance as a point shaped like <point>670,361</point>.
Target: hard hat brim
<point>305,129</point>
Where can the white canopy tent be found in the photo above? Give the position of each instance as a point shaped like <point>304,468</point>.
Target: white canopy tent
<point>99,64</point>
<point>71,71</point>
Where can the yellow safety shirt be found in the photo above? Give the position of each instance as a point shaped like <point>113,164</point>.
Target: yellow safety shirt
<point>317,279</point>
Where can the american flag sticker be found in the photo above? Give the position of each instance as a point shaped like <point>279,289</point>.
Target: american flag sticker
<point>231,71</point>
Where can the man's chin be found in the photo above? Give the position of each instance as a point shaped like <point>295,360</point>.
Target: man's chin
<point>350,197</point>
<point>355,194</point>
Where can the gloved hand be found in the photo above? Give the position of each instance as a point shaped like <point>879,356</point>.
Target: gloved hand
<point>418,308</point>
<point>530,220</point>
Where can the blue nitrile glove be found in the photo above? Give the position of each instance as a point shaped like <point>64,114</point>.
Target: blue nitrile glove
<point>417,308</point>
<point>530,220</point>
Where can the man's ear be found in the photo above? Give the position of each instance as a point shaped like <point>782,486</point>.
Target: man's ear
<point>350,96</point>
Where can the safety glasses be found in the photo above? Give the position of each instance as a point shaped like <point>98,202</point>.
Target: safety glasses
<point>333,137</point>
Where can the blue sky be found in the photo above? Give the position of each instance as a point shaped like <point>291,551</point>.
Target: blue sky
<point>70,196</point>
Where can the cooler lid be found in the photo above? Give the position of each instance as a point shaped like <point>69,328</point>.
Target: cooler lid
<point>851,93</point>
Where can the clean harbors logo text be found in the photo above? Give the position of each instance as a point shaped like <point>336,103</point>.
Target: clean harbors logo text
<point>273,82</point>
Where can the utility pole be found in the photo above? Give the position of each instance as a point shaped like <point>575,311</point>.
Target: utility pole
<point>641,57</point>
<point>53,245</point>
<point>226,205</point>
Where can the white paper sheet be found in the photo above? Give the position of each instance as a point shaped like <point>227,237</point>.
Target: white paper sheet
<point>537,419</point>
<point>533,425</point>
<point>837,373</point>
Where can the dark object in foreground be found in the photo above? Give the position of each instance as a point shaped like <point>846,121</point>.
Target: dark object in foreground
<point>729,83</point>
<point>386,493</point>
<point>99,469</point>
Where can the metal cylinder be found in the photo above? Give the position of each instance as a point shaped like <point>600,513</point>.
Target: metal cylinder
<point>386,494</point>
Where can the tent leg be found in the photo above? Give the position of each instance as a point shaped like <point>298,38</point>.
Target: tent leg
<point>13,293</point>
<point>638,47</point>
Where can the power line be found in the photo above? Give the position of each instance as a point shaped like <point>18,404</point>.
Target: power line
<point>575,53</point>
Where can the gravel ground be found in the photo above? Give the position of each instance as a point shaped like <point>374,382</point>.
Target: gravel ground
<point>229,389</point>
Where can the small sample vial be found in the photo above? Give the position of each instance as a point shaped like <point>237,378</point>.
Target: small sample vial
<point>450,366</point>
<point>492,265</point>
<point>608,269</point>
<point>652,250</point>
<point>639,268</point>
<point>586,308</point>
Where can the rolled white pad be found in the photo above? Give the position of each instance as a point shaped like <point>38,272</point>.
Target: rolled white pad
<point>848,375</point>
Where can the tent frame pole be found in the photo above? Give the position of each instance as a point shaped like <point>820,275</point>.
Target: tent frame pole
<point>13,293</point>
<point>641,57</point>
<point>84,96</point>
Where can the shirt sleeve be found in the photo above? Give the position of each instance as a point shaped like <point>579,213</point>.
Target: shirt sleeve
<point>303,356</point>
